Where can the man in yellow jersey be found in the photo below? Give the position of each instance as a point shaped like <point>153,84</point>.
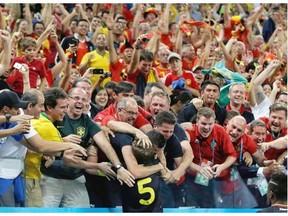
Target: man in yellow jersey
<point>98,58</point>
<point>47,131</point>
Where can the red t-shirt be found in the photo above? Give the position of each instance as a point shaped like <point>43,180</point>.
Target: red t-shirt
<point>162,72</point>
<point>248,145</point>
<point>116,68</point>
<point>273,153</point>
<point>189,65</point>
<point>165,39</point>
<point>36,68</point>
<point>133,77</point>
<point>81,51</point>
<point>223,147</point>
<point>110,111</point>
<point>187,75</point>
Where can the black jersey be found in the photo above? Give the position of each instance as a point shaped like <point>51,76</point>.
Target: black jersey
<point>143,196</point>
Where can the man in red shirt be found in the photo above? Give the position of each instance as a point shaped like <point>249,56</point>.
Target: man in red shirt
<point>189,57</point>
<point>242,142</point>
<point>213,155</point>
<point>236,192</point>
<point>117,62</point>
<point>236,97</point>
<point>163,67</point>
<point>177,73</point>
<point>276,127</point>
<point>124,89</point>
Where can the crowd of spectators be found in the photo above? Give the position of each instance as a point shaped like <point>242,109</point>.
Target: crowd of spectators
<point>144,106</point>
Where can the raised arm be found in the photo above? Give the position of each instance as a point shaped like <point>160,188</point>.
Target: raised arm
<point>136,54</point>
<point>258,90</point>
<point>111,49</point>
<point>66,21</point>
<point>51,26</point>
<point>28,18</point>
<point>56,69</point>
<point>5,61</point>
<point>46,14</point>
<point>140,8</point>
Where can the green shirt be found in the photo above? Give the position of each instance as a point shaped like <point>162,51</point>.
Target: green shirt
<point>83,127</point>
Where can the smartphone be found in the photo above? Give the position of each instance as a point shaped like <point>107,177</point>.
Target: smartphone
<point>98,71</point>
<point>74,42</point>
<point>17,66</point>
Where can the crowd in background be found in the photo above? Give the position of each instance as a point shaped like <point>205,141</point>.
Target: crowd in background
<point>144,106</point>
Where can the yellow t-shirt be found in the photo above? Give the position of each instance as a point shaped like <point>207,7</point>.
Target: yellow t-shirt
<point>98,61</point>
<point>47,131</point>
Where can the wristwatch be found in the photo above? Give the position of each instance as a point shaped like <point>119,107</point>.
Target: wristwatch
<point>8,117</point>
<point>118,166</point>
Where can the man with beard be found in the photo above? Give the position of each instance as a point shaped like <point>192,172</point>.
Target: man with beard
<point>209,94</point>
<point>250,173</point>
<point>276,128</point>
<point>248,155</point>
<point>213,155</point>
<point>78,128</point>
<point>237,96</point>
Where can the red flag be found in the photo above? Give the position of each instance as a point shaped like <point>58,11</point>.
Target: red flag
<point>201,25</point>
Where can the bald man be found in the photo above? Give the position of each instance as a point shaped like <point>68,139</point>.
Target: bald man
<point>242,142</point>
<point>247,153</point>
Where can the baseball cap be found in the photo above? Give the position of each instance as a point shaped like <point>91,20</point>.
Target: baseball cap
<point>11,99</point>
<point>197,67</point>
<point>173,55</point>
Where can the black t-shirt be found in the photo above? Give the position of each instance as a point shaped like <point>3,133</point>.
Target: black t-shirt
<point>143,196</point>
<point>172,150</point>
<point>119,141</point>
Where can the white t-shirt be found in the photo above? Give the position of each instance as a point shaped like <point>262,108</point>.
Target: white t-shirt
<point>262,109</point>
<point>12,154</point>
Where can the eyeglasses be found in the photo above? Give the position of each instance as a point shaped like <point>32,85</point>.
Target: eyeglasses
<point>130,112</point>
<point>77,98</point>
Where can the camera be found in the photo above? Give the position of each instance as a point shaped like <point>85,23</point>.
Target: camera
<point>145,40</point>
<point>74,42</point>
<point>98,71</point>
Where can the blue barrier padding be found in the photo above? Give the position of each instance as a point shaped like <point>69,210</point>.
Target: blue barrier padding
<point>119,210</point>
